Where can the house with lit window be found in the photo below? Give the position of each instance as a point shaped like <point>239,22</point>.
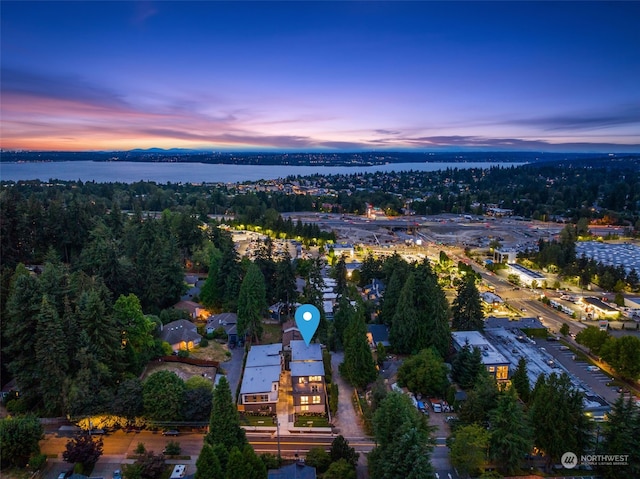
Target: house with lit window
<point>495,363</point>
<point>307,378</point>
<point>261,379</point>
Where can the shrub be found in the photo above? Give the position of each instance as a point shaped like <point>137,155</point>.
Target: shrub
<point>37,462</point>
<point>140,449</point>
<point>173,448</point>
<point>204,342</point>
<point>183,353</point>
<point>333,399</point>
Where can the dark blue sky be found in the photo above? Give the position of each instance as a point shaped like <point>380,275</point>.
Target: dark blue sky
<point>554,76</point>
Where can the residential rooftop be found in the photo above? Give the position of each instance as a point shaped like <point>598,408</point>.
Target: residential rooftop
<point>259,379</point>
<point>264,355</point>
<point>301,352</point>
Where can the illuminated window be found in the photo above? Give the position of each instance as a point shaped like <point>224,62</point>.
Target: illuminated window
<point>304,399</point>
<point>316,399</point>
<point>302,380</point>
<point>304,408</point>
<point>491,369</point>
<point>503,372</point>
<point>315,379</point>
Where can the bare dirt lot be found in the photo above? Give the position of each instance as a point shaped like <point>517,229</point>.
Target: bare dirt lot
<point>213,352</point>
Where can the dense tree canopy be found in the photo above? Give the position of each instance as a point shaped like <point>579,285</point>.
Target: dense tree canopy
<point>19,439</point>
<point>403,443</point>
<point>425,373</point>
<point>558,419</point>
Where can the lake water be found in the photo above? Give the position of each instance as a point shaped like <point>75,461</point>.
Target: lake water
<point>129,172</point>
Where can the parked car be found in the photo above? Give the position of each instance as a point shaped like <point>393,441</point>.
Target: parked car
<point>117,474</point>
<point>171,432</point>
<point>97,432</point>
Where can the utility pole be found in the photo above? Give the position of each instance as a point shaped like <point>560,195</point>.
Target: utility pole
<point>277,422</point>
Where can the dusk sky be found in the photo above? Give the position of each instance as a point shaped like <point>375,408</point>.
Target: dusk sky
<point>327,76</point>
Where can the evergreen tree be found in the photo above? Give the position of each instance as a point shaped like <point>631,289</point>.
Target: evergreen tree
<point>481,400</point>
<point>103,332</point>
<point>339,273</point>
<point>621,433</point>
<point>52,358</point>
<point>284,286</point>
<point>511,436</point>
<point>358,367</point>
<point>230,276</point>
<point>403,444</point>
<point>224,426</point>
<point>237,467</point>
<point>340,449</point>
<point>211,293</point>
<point>371,269</point>
<point>208,464</point>
<point>343,312</point>
<point>557,415</point>
<point>19,324</point>
<point>255,467</point>
<point>466,366</point>
<point>252,303</point>
<point>422,315</point>
<point>391,296</point>
<point>467,307</point>
<point>403,326</point>
<point>520,380</point>
<point>89,391</point>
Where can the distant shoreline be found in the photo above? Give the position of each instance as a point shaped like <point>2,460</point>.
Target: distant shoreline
<point>356,159</point>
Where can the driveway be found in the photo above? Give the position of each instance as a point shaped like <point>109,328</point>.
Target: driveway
<point>233,369</point>
<point>346,420</point>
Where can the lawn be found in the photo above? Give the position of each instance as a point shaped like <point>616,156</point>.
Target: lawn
<point>255,420</point>
<point>312,421</point>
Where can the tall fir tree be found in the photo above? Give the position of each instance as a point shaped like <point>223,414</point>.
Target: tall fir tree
<point>358,368</point>
<point>557,415</point>
<point>252,303</point>
<point>211,293</point>
<point>466,366</point>
<point>467,307</point>
<point>19,324</point>
<point>520,380</point>
<point>511,436</point>
<point>403,443</point>
<point>391,296</point>
<point>421,319</point>
<point>208,465</point>
<point>621,432</point>
<point>52,358</point>
<point>224,426</point>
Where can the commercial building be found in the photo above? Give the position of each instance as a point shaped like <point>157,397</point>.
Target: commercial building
<point>526,275</point>
<point>495,363</point>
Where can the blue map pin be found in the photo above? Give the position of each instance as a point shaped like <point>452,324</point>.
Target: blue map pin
<point>307,320</point>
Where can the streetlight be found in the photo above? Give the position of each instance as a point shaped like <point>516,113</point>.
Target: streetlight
<point>277,423</point>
